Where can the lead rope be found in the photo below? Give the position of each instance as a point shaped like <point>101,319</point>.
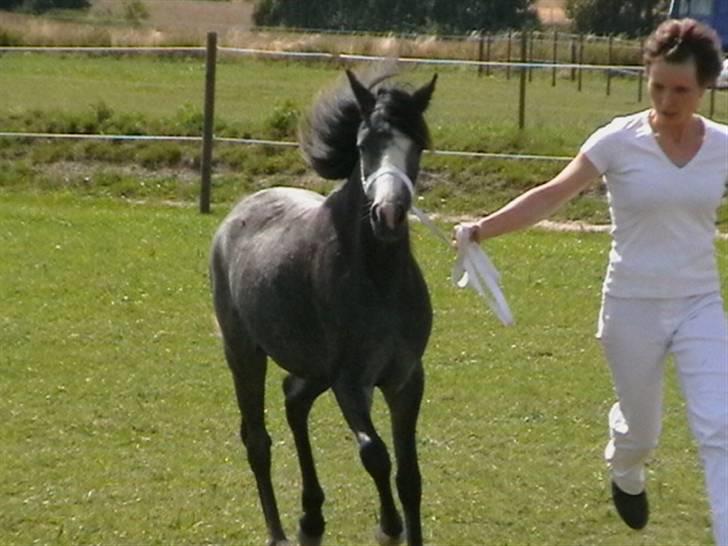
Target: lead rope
<point>472,266</point>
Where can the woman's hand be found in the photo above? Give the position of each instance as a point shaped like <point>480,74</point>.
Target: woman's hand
<point>472,230</point>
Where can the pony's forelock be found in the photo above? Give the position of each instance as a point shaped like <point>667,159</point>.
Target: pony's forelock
<point>327,135</point>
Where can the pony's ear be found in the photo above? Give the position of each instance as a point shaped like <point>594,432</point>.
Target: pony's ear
<point>364,98</point>
<point>423,95</point>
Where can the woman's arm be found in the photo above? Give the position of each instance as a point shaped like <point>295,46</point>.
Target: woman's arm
<point>537,203</point>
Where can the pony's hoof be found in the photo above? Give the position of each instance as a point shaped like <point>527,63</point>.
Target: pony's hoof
<point>383,539</point>
<point>307,540</point>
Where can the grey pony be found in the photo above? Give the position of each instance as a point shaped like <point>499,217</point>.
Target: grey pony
<point>329,289</point>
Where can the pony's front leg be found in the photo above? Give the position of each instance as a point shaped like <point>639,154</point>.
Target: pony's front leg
<point>404,407</point>
<point>355,403</point>
<point>300,396</point>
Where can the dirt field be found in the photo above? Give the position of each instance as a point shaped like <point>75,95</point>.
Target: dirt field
<point>551,12</point>
<point>188,15</point>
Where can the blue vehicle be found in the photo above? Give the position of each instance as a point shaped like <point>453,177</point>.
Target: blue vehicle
<point>712,12</point>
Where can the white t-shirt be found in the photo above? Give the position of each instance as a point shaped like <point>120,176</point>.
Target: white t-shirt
<point>663,216</point>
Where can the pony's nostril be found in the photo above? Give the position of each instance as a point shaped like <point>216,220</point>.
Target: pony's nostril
<point>375,213</point>
<point>389,214</point>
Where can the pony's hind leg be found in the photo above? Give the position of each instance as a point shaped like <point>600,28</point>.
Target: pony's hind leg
<point>300,396</point>
<point>248,369</point>
<point>355,404</point>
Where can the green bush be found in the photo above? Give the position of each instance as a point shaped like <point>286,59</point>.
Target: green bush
<point>188,120</point>
<point>163,154</point>
<point>283,120</point>
<point>8,38</point>
<point>135,12</point>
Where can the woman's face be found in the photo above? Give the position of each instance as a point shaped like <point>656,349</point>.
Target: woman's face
<point>674,91</point>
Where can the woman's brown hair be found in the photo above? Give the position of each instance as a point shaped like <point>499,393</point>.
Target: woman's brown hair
<point>681,40</point>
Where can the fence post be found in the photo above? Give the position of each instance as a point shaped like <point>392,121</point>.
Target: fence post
<point>508,55</point>
<point>480,52</point>
<point>609,62</point>
<point>573,58</point>
<point>581,59</point>
<point>641,75</point>
<point>522,94</point>
<point>530,55</point>
<point>487,53</point>
<point>209,122</point>
<point>556,58</point>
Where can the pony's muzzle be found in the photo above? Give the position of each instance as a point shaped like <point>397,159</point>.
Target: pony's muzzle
<point>391,192</point>
<point>389,215</point>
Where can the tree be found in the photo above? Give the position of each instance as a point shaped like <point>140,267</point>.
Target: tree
<point>455,16</point>
<point>629,17</point>
<point>39,6</point>
<point>467,15</point>
<point>9,5</point>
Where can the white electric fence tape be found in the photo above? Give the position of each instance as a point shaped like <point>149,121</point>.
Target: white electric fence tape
<point>472,267</point>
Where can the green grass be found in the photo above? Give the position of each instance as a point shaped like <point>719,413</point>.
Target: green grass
<point>120,425</point>
<point>467,111</point>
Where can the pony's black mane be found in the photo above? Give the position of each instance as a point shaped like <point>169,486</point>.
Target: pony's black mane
<point>327,136</point>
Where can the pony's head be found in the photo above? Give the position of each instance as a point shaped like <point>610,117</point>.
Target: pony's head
<point>390,140</point>
<point>379,130</point>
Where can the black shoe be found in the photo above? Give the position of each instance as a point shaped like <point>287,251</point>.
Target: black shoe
<point>633,509</point>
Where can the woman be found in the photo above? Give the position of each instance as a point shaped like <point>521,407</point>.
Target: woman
<point>666,170</point>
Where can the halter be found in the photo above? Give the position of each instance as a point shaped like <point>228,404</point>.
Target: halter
<point>368,181</point>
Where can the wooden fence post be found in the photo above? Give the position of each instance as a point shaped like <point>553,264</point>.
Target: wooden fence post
<point>641,75</point>
<point>609,62</point>
<point>524,75</point>
<point>487,53</point>
<point>581,60</point>
<point>530,56</point>
<point>573,59</point>
<point>508,54</point>
<point>556,58</point>
<point>481,37</point>
<point>209,123</point>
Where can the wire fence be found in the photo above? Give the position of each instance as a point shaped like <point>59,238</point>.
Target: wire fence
<point>523,68</point>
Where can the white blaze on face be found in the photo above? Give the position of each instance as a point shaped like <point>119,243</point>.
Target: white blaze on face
<point>389,188</point>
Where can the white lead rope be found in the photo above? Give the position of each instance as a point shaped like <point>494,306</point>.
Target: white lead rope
<point>472,266</point>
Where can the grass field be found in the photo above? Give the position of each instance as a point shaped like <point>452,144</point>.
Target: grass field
<point>120,425</point>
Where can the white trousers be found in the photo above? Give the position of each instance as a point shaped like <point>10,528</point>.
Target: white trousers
<point>637,335</point>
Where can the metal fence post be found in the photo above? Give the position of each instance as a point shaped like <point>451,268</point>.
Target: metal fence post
<point>209,123</point>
